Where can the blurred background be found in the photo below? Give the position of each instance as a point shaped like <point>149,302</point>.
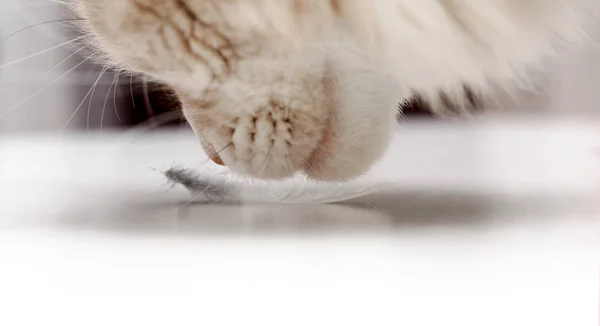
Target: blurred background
<point>46,83</point>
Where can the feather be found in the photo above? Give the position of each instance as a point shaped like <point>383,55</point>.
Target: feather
<point>207,187</point>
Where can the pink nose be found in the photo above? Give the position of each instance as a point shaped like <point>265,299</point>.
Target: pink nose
<point>210,151</point>
<point>217,159</point>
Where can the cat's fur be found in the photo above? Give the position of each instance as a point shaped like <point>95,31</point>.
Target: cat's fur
<point>280,86</point>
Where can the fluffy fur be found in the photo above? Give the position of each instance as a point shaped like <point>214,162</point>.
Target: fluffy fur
<point>274,87</point>
<point>205,187</point>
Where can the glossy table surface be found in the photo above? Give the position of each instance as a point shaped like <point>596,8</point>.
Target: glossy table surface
<point>486,223</point>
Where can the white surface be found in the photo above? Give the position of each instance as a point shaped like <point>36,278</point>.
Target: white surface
<point>487,224</point>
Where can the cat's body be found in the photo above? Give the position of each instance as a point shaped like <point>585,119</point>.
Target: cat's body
<point>278,86</point>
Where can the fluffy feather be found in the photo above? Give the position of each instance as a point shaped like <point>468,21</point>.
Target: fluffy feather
<point>212,188</point>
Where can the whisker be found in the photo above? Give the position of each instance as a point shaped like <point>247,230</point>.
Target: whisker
<point>147,101</point>
<point>155,122</point>
<point>106,101</point>
<point>115,98</point>
<point>131,90</point>
<point>14,62</point>
<point>36,25</point>
<point>62,2</point>
<point>80,105</point>
<point>63,61</point>
<point>25,6</point>
<point>224,148</point>
<point>309,166</point>
<point>46,2</point>
<point>44,88</point>
<point>217,152</point>
<point>93,89</point>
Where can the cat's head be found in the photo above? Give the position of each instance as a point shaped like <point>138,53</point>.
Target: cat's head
<point>269,91</point>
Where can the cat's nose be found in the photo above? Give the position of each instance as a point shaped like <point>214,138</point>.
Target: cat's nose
<point>210,151</point>
<point>217,159</point>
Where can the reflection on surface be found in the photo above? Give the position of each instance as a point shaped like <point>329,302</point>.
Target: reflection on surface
<point>385,212</point>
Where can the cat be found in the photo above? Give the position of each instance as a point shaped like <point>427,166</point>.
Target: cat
<point>277,87</point>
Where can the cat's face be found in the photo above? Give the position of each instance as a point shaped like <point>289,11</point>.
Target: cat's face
<point>265,102</point>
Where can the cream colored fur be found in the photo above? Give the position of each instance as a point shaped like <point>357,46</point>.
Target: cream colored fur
<point>281,86</point>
